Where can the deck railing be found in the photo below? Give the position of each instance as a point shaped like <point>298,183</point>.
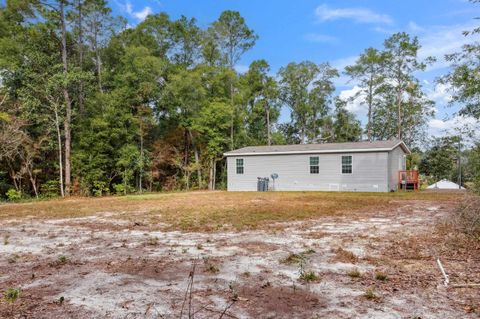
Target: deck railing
<point>408,178</point>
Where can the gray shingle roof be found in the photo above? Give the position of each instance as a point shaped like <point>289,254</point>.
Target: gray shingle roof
<point>320,148</point>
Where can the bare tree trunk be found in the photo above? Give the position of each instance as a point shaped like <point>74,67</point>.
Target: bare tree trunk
<point>199,169</point>
<point>141,157</point>
<point>68,103</point>
<point>214,174</point>
<point>13,176</point>
<point>197,160</point>
<point>33,182</point>
<point>399,105</point>
<point>370,106</point>
<point>150,186</point>
<point>211,175</point>
<point>232,129</point>
<point>60,159</point>
<point>185,157</point>
<point>125,183</point>
<point>269,133</point>
<point>302,134</point>
<point>399,100</point>
<point>80,52</point>
<point>98,60</point>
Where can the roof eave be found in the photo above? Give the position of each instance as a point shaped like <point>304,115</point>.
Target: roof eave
<point>404,146</point>
<point>314,151</point>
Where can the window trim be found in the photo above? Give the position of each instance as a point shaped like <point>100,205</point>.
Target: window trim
<point>341,164</point>
<point>311,166</point>
<point>237,166</point>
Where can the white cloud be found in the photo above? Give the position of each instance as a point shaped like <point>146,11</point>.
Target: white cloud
<point>360,15</point>
<point>321,38</point>
<point>437,41</point>
<point>440,94</point>
<point>413,27</point>
<point>355,106</point>
<point>139,15</point>
<point>439,127</point>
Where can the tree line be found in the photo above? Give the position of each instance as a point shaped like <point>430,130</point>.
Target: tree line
<point>90,105</point>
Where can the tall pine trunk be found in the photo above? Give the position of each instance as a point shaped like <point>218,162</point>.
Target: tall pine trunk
<point>197,160</point>
<point>68,103</point>
<point>269,133</point>
<point>370,106</point>
<point>212,173</point>
<point>232,128</point>
<point>60,157</point>
<point>80,54</point>
<point>399,106</point>
<point>98,60</point>
<point>140,177</point>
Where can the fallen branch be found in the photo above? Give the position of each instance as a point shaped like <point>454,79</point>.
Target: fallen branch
<point>445,276</point>
<point>220,312</point>
<point>466,286</point>
<point>226,308</point>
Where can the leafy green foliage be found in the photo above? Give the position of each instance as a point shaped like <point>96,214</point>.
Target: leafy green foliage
<point>50,188</point>
<point>440,161</point>
<point>155,106</point>
<point>13,195</point>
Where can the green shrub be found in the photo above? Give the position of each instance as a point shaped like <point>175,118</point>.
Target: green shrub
<point>50,188</point>
<point>100,188</point>
<point>13,195</point>
<point>120,188</point>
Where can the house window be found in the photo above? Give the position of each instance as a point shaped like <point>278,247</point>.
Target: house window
<point>239,165</point>
<point>347,164</point>
<point>314,165</point>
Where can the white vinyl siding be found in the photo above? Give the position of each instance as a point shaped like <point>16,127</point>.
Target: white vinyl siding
<point>396,162</point>
<point>369,172</point>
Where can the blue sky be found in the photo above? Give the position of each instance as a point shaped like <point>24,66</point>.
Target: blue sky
<point>335,32</point>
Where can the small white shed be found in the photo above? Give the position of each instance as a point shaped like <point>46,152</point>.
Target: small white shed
<point>354,166</point>
<point>445,184</point>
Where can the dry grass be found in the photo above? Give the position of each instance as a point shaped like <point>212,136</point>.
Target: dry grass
<point>211,211</point>
<point>345,256</point>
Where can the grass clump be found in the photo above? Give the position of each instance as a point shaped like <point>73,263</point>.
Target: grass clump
<point>345,256</point>
<point>371,295</point>
<point>354,273</point>
<point>209,266</point>
<point>11,295</point>
<point>292,259</point>
<point>153,241</point>
<point>6,240</point>
<point>62,260</point>
<point>308,276</point>
<point>381,276</point>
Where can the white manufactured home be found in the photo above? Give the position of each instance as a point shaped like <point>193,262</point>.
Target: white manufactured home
<point>357,167</point>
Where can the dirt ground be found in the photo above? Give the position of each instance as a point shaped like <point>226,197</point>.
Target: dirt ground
<point>365,262</point>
